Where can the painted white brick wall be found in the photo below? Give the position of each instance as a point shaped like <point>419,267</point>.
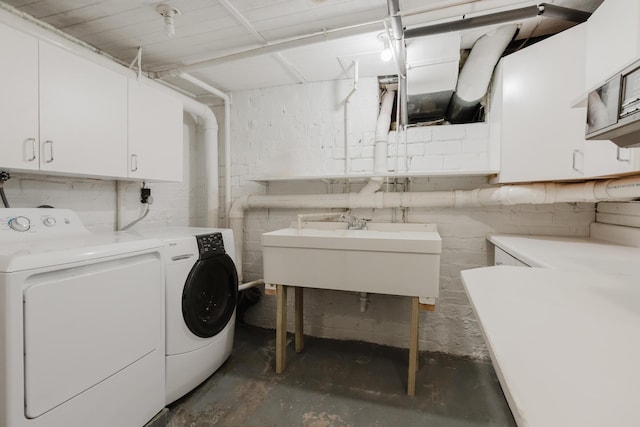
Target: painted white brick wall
<point>452,328</point>
<point>298,130</point>
<point>283,132</point>
<point>95,200</point>
<point>441,148</point>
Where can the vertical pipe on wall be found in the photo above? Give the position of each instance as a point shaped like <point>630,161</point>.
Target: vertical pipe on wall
<point>208,122</point>
<point>380,149</point>
<point>397,37</point>
<point>347,155</point>
<point>227,144</point>
<point>227,161</point>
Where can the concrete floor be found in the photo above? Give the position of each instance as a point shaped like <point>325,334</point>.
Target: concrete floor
<point>341,383</point>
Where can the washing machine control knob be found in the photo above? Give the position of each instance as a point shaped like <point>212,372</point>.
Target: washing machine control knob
<point>49,221</point>
<point>20,223</point>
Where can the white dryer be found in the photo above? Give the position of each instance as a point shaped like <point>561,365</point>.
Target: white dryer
<point>81,315</point>
<point>201,299</point>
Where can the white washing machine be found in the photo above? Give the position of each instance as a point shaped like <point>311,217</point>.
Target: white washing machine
<point>81,316</point>
<point>201,300</point>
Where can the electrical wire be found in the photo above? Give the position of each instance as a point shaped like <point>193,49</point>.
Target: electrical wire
<point>137,60</point>
<point>4,198</point>
<point>4,177</point>
<point>140,218</point>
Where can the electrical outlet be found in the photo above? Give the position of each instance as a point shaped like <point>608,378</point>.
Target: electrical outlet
<point>145,194</point>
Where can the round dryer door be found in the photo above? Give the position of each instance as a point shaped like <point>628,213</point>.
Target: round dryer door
<point>210,295</point>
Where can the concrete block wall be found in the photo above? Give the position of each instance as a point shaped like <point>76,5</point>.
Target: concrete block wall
<point>282,132</point>
<point>440,148</point>
<point>299,130</point>
<point>452,328</point>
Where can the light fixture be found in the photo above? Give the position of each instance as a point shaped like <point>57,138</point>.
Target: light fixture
<point>168,13</point>
<point>386,53</point>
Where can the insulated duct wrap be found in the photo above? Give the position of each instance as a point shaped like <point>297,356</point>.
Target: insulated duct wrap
<point>476,73</point>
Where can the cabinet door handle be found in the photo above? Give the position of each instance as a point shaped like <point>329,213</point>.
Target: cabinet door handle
<point>50,143</point>
<point>622,155</point>
<point>575,166</point>
<point>134,162</point>
<point>33,149</point>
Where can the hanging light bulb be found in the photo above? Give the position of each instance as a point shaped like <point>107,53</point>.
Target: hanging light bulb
<point>168,13</point>
<point>386,53</point>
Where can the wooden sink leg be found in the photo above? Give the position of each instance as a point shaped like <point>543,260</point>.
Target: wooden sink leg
<point>413,347</point>
<point>299,315</point>
<point>281,328</point>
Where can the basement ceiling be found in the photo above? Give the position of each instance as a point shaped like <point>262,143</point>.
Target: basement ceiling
<point>210,29</point>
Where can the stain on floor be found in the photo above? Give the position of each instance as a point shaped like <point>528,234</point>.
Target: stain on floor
<point>341,384</point>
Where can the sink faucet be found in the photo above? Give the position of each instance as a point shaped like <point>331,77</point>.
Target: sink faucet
<point>353,222</point>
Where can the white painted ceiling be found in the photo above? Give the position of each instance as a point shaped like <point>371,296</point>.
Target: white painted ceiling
<point>209,29</point>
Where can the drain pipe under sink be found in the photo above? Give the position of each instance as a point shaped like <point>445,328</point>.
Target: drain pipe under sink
<point>380,167</point>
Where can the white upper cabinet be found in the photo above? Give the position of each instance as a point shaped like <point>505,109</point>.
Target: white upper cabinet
<point>18,100</point>
<point>613,42</point>
<point>613,39</point>
<point>83,115</point>
<point>155,133</point>
<point>604,158</point>
<point>541,136</point>
<point>63,114</point>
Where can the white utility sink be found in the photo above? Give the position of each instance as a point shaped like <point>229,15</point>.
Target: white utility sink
<point>385,258</point>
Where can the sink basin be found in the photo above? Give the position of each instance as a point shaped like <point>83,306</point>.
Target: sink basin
<point>396,259</point>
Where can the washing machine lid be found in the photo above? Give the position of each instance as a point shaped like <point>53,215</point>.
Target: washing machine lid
<point>49,252</point>
<point>34,238</point>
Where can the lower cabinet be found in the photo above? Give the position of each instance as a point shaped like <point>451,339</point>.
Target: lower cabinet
<point>503,258</point>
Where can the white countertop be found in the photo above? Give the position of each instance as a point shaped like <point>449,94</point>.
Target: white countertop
<point>565,344</point>
<point>579,254</point>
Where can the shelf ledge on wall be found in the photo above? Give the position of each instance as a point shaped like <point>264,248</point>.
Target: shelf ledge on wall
<point>364,177</point>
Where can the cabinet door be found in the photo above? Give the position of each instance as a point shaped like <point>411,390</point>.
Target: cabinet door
<point>542,138</point>
<point>155,133</point>
<point>605,158</point>
<point>83,115</point>
<point>18,100</point>
<point>613,39</point>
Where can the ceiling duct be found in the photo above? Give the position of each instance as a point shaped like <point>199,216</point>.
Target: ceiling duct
<point>474,78</point>
<point>432,75</point>
<point>436,92</point>
<point>543,9</point>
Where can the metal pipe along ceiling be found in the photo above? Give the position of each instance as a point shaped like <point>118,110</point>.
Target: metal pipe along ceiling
<point>543,9</point>
<point>274,47</point>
